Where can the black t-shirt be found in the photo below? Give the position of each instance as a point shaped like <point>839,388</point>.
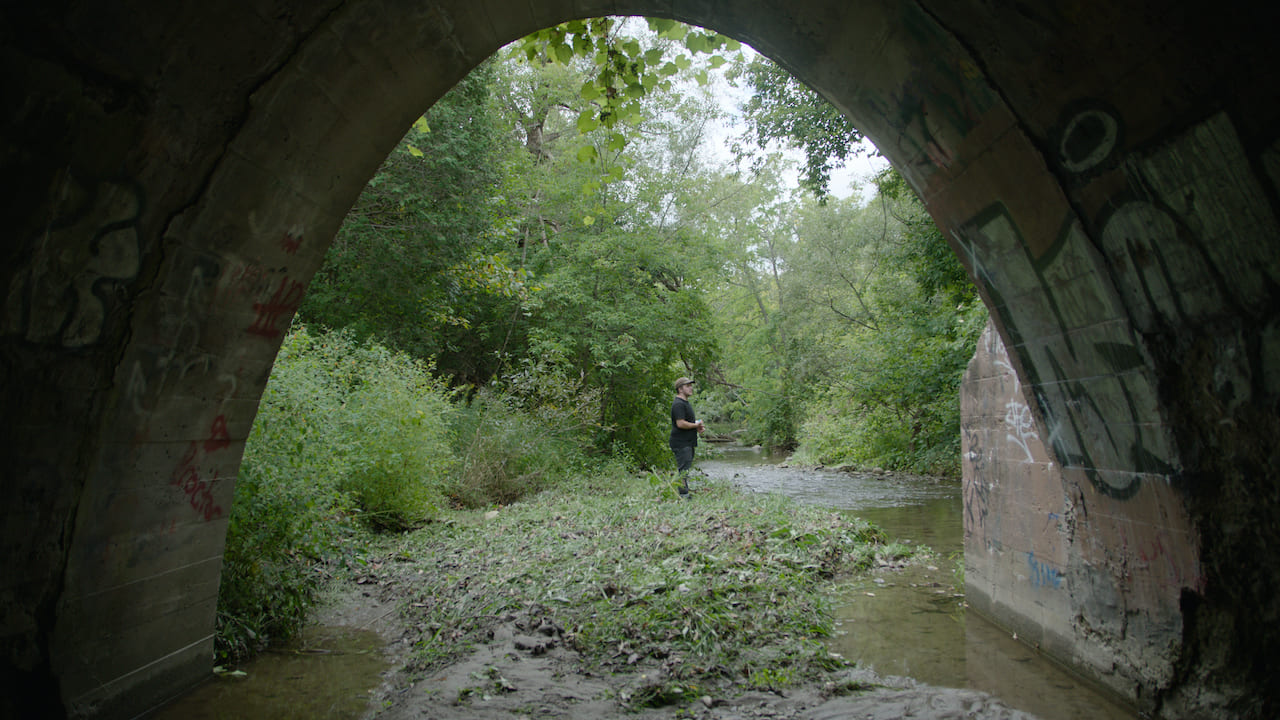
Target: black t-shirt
<point>682,410</point>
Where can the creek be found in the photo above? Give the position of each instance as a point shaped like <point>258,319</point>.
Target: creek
<point>912,620</point>
<point>326,673</point>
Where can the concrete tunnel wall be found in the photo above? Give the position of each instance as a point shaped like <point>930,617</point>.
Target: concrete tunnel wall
<point>1090,577</point>
<point>1107,171</point>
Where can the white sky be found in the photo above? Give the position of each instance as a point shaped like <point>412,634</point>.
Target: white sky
<point>857,170</point>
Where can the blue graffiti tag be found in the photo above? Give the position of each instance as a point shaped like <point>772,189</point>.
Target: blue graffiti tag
<point>1043,574</point>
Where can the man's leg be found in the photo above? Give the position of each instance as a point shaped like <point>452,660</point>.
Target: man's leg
<point>684,461</point>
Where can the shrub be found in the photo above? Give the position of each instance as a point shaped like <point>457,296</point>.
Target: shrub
<point>283,517</point>
<point>527,433</point>
<point>342,426</point>
<point>396,426</point>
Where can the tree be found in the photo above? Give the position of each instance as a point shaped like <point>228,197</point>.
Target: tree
<point>422,261</point>
<point>901,322</point>
<point>782,109</point>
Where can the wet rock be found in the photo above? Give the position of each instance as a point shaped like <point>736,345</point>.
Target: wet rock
<point>532,645</point>
<point>549,628</point>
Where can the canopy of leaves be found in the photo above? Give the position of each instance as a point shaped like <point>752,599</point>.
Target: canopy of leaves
<point>422,261</point>
<point>783,109</point>
<point>561,210</point>
<point>620,70</point>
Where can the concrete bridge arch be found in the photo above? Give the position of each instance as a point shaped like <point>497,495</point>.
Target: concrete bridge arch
<point>1108,172</point>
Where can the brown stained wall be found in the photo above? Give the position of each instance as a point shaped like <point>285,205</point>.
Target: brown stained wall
<point>1093,579</point>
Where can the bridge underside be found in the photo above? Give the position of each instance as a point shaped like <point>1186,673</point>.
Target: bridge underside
<point>1108,171</point>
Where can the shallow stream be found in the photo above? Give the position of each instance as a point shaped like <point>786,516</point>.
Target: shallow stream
<point>327,673</point>
<point>913,621</point>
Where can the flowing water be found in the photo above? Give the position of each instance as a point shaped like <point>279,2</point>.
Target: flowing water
<point>912,621</point>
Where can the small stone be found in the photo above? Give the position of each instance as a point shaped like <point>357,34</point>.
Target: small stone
<point>531,645</point>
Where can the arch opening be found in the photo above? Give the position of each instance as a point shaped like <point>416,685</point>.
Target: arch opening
<point>1119,219</point>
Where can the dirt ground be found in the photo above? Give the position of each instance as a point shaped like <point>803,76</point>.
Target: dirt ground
<point>525,671</point>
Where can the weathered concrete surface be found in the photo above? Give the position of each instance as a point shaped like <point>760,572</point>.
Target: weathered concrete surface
<point>1108,172</point>
<point>1090,578</point>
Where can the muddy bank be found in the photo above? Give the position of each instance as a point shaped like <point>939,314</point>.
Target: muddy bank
<point>526,670</point>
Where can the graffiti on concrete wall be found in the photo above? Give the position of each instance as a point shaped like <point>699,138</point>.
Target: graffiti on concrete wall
<point>284,302</point>
<point>1088,138</point>
<point>291,241</point>
<point>177,353</point>
<point>79,266</point>
<point>976,488</point>
<point>1043,574</point>
<point>1056,312</point>
<point>1156,552</point>
<point>1171,236</point>
<point>174,351</point>
<point>1020,424</point>
<point>1160,254</point>
<point>195,485</point>
<point>1073,313</point>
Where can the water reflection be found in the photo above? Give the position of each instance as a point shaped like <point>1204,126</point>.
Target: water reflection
<point>326,673</point>
<point>912,620</point>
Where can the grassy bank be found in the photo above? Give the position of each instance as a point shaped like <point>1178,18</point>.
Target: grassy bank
<point>719,593</point>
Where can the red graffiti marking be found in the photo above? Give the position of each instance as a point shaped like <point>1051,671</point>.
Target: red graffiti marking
<point>243,280</point>
<point>1158,559</point>
<point>199,493</point>
<point>291,243</point>
<point>218,437</point>
<point>284,301</point>
<point>186,476</point>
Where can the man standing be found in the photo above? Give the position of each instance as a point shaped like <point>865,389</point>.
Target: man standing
<point>685,429</point>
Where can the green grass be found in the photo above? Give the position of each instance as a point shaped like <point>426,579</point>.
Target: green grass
<point>722,590</point>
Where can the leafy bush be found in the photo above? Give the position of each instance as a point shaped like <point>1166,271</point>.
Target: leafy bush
<point>396,424</point>
<point>905,414</point>
<point>342,427</point>
<point>523,435</point>
<point>287,497</point>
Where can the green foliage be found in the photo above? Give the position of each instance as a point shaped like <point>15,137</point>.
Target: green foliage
<point>609,315</point>
<point>849,330</point>
<point>523,434</point>
<point>622,71</point>
<point>783,109</point>
<point>729,584</point>
<point>396,421</point>
<point>283,518</point>
<point>482,248</point>
<point>344,430</point>
<point>423,261</point>
<point>923,251</point>
<point>908,322</point>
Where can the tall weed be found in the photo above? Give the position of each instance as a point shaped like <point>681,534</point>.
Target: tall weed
<point>527,433</point>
